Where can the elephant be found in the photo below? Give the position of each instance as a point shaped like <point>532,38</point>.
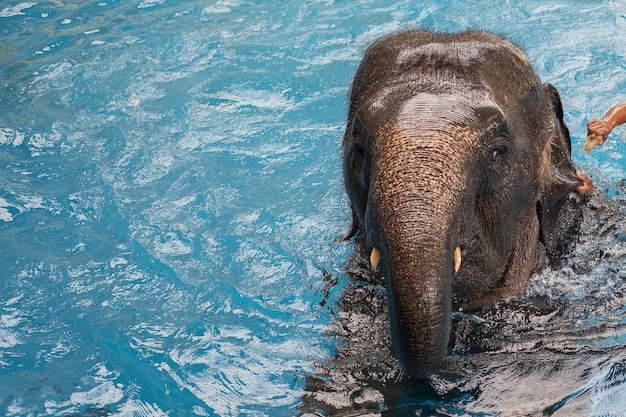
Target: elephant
<point>457,164</point>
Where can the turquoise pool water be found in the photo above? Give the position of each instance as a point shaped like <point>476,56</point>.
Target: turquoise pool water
<point>170,189</point>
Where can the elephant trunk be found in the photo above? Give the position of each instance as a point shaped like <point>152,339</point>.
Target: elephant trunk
<point>421,225</point>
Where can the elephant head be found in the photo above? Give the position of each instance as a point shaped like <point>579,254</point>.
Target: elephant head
<point>456,163</point>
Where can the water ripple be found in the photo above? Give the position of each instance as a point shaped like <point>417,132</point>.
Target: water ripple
<point>170,189</point>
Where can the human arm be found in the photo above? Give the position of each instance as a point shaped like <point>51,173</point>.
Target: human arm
<point>598,129</point>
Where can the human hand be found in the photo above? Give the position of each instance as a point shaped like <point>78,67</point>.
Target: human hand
<point>597,132</point>
<point>586,183</point>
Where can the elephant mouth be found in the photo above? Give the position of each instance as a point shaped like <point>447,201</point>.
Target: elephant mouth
<point>457,258</point>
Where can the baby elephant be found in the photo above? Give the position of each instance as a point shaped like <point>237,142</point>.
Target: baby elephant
<point>457,164</point>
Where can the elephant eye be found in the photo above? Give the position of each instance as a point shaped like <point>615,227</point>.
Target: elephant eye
<point>498,152</point>
<point>499,146</point>
<point>359,161</point>
<point>357,145</point>
<point>358,157</point>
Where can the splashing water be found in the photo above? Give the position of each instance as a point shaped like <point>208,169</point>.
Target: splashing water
<point>170,188</point>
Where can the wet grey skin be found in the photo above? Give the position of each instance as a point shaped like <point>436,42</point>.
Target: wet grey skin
<point>456,162</point>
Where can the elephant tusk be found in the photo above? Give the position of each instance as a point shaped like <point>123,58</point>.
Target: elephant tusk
<point>457,259</point>
<point>374,258</point>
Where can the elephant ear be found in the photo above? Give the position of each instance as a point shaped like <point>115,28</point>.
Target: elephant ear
<point>557,212</point>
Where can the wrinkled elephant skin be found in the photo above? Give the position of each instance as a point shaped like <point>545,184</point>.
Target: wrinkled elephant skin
<point>457,163</point>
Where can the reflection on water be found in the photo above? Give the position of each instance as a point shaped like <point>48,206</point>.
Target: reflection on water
<point>559,351</point>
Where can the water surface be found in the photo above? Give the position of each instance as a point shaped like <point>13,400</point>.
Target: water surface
<point>170,189</point>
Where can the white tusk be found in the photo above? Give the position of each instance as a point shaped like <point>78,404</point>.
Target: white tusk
<point>374,258</point>
<point>457,259</point>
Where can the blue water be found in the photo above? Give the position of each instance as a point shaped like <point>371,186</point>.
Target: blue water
<point>170,188</point>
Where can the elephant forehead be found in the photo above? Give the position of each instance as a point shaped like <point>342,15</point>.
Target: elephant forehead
<point>461,54</point>
<point>390,99</point>
<point>439,74</point>
<point>427,113</point>
<point>427,110</point>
